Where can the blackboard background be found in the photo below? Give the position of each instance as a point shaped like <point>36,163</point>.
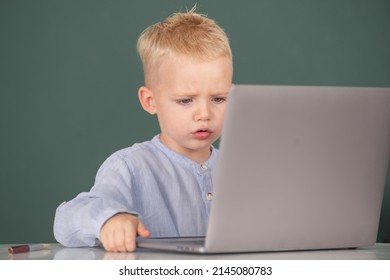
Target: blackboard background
<point>69,75</point>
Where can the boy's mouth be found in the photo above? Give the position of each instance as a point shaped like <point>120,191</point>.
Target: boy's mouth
<point>202,134</point>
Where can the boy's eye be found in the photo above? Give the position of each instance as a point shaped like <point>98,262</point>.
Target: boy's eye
<point>219,99</point>
<point>184,101</point>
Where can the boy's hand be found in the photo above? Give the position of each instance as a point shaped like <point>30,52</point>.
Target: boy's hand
<point>119,232</point>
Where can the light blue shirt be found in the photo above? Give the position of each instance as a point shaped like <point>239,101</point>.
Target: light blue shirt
<point>169,192</point>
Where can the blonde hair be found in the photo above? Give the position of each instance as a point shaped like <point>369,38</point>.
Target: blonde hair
<point>186,34</point>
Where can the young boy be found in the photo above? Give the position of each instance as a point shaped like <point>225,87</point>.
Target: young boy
<point>161,187</point>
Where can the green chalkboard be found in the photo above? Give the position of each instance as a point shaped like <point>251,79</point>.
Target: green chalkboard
<point>69,75</point>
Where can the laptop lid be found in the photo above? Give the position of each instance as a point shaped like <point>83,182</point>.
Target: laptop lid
<point>299,168</point>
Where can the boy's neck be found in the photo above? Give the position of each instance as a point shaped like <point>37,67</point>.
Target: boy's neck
<point>200,156</point>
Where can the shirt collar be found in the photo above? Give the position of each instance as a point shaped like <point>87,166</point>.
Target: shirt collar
<point>182,159</point>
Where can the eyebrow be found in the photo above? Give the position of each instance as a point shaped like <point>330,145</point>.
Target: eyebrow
<point>180,95</point>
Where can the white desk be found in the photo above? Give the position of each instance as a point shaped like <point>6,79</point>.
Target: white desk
<point>379,251</point>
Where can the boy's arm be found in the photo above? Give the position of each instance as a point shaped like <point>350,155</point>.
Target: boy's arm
<point>78,222</point>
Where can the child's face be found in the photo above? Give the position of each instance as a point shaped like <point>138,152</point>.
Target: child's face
<point>189,99</point>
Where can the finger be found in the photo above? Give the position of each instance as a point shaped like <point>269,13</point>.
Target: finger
<point>142,230</point>
<point>107,241</point>
<point>129,239</point>
<point>119,241</point>
<point>112,241</point>
<point>106,237</point>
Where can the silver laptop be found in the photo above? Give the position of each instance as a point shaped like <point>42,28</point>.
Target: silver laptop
<point>300,168</point>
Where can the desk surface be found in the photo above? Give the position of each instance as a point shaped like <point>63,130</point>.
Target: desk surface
<point>379,251</point>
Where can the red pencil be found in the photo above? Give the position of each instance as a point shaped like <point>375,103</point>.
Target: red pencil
<point>27,248</point>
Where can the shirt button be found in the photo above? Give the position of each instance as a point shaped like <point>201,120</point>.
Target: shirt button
<point>203,167</point>
<point>209,196</point>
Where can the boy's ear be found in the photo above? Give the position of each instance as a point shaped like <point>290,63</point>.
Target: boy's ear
<point>146,98</point>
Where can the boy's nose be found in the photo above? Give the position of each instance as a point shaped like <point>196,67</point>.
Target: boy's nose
<point>203,113</point>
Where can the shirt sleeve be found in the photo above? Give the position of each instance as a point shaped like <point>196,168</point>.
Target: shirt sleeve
<point>78,222</point>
